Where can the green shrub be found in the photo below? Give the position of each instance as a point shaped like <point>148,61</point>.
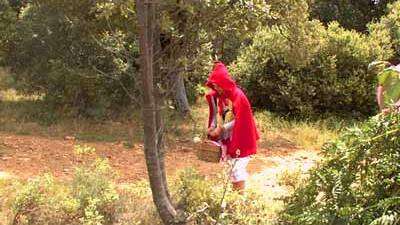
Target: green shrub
<point>389,26</point>
<point>136,205</point>
<point>291,178</point>
<point>90,198</point>
<point>43,201</point>
<point>358,182</point>
<point>350,14</point>
<point>197,75</point>
<point>96,193</point>
<point>8,18</point>
<point>83,150</point>
<point>308,69</point>
<point>201,200</point>
<point>74,54</point>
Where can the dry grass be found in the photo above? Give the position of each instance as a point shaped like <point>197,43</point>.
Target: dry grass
<point>310,135</point>
<point>290,177</point>
<point>29,115</point>
<point>25,115</point>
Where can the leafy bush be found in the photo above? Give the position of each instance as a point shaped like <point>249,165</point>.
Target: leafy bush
<point>300,67</point>
<point>42,201</point>
<point>307,69</point>
<point>358,182</point>
<point>78,54</point>
<point>137,206</point>
<point>197,75</point>
<point>91,198</point>
<point>7,26</point>
<point>200,199</point>
<point>84,150</point>
<point>96,193</point>
<point>389,25</point>
<point>291,178</point>
<point>350,14</point>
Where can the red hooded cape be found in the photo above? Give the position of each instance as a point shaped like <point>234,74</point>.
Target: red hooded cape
<point>244,134</point>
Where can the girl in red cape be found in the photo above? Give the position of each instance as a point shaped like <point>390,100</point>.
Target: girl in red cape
<point>239,136</point>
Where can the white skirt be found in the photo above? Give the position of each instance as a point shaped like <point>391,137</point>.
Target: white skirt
<point>239,170</point>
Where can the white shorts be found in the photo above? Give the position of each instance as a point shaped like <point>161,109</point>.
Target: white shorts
<point>239,171</point>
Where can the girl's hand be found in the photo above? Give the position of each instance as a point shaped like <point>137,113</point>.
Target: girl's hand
<point>210,129</point>
<point>215,133</point>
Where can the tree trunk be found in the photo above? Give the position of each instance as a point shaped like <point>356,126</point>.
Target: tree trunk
<point>146,13</point>
<point>178,83</point>
<point>160,141</point>
<point>159,105</point>
<point>180,94</point>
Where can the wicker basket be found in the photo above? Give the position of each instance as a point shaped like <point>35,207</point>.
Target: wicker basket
<point>208,152</point>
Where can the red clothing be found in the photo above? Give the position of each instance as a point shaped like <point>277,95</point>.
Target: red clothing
<point>244,133</point>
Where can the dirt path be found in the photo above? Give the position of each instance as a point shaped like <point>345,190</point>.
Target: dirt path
<point>27,156</point>
<point>296,162</point>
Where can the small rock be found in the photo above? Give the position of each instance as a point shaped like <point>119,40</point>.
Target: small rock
<point>24,159</point>
<point>5,175</point>
<point>298,159</point>
<point>186,149</point>
<point>196,140</point>
<point>69,138</point>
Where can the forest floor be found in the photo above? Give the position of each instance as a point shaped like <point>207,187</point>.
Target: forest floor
<point>274,171</point>
<point>29,146</point>
<point>25,156</point>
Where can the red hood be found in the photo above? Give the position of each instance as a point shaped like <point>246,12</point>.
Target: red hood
<point>221,77</point>
<point>244,133</point>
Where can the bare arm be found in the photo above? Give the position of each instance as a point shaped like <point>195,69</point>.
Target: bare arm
<point>229,126</point>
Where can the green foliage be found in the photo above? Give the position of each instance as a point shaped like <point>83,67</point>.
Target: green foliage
<point>8,18</point>
<point>90,198</point>
<point>193,33</point>
<point>350,14</point>
<point>84,150</point>
<point>79,55</point>
<point>196,76</point>
<point>42,201</point>
<point>82,55</point>
<point>389,25</point>
<point>200,199</point>
<point>214,22</point>
<point>291,178</point>
<point>357,182</point>
<point>96,193</point>
<point>308,69</point>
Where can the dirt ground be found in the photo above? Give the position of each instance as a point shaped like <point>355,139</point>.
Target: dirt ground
<point>26,156</point>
